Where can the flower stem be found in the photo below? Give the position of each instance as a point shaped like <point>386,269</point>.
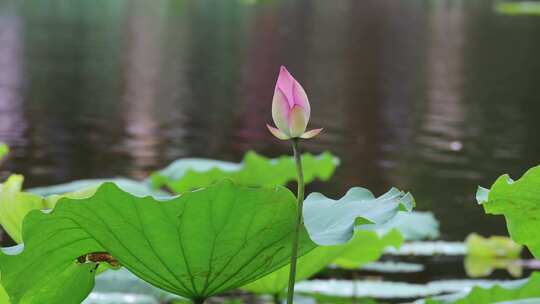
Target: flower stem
<point>299,219</point>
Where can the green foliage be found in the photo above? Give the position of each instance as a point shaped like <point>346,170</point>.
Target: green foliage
<point>492,247</point>
<point>366,246</point>
<point>15,205</point>
<point>478,295</point>
<point>191,173</point>
<point>487,254</point>
<point>196,245</point>
<point>519,202</point>
<point>518,8</point>
<point>4,298</point>
<point>4,150</point>
<point>356,211</point>
<point>477,267</point>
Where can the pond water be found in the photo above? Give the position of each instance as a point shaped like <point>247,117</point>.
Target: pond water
<point>435,97</point>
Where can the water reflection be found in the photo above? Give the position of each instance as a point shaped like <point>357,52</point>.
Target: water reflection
<point>12,122</point>
<point>435,97</point>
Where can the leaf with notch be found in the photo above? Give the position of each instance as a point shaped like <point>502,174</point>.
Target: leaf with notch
<point>519,202</point>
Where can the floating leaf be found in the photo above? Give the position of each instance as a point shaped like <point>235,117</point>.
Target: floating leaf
<point>519,202</point>
<point>385,290</point>
<point>195,245</point>
<point>393,267</point>
<point>477,267</point>
<point>521,289</point>
<point>429,249</point>
<point>518,8</point>
<point>492,247</point>
<point>357,208</point>
<point>4,150</point>
<point>366,246</point>
<point>191,173</point>
<point>315,298</point>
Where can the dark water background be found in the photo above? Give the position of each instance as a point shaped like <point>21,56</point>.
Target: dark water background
<point>435,97</point>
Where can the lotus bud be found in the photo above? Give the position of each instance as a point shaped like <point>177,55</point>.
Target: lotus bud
<point>290,109</point>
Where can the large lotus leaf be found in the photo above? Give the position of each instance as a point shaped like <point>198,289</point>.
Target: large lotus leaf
<point>195,245</point>
<point>331,222</point>
<point>3,151</point>
<point>519,202</point>
<point>191,173</point>
<point>365,246</point>
<point>523,289</point>
<point>4,298</point>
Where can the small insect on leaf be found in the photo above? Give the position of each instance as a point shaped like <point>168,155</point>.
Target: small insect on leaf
<point>98,257</point>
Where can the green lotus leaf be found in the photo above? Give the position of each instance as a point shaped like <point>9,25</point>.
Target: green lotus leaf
<point>517,8</point>
<point>366,246</point>
<point>4,150</point>
<point>477,267</point>
<point>15,205</point>
<point>519,202</point>
<point>357,209</point>
<point>256,170</point>
<point>518,290</point>
<point>4,298</point>
<point>492,247</point>
<point>429,248</point>
<point>195,245</point>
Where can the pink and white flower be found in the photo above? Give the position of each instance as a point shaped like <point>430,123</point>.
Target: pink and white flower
<point>290,109</point>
